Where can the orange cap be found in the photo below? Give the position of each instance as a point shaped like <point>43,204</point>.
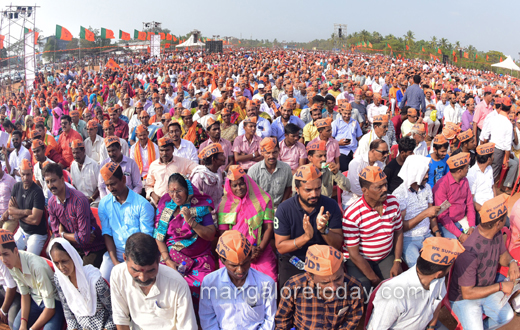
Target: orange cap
<point>250,120</point>
<point>225,111</point>
<point>411,112</point>
<point>26,165</point>
<point>372,174</point>
<point>307,172</point>
<point>323,260</point>
<point>464,136</point>
<point>268,144</point>
<point>143,113</point>
<point>441,251</point>
<point>77,143</point>
<point>37,144</point>
<point>185,112</point>
<point>92,124</point>
<point>6,236</point>
<point>108,170</point>
<point>439,139</point>
<point>157,105</point>
<point>233,246</point>
<point>494,208</point>
<point>166,116</point>
<point>486,148</point>
<point>107,124</point>
<point>506,101</point>
<point>111,140</point>
<point>419,127</point>
<point>317,145</point>
<point>381,119</point>
<point>342,101</point>
<point>36,134</point>
<point>141,129</point>
<point>111,110</point>
<point>164,141</point>
<point>324,122</point>
<point>235,172</point>
<point>210,122</point>
<point>39,120</point>
<point>209,150</point>
<point>458,160</point>
<point>74,113</point>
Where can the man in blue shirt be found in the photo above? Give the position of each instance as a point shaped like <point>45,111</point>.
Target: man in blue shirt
<point>347,132</point>
<point>263,127</point>
<point>254,304</point>
<point>278,125</point>
<point>414,96</point>
<point>122,213</point>
<point>439,156</point>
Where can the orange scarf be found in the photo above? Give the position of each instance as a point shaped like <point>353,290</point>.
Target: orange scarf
<point>191,134</point>
<point>139,159</point>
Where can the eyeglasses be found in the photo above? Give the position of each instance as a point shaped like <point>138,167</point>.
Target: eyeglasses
<point>141,108</point>
<point>176,192</point>
<point>383,153</point>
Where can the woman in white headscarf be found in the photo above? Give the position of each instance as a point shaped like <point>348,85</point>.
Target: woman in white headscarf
<point>84,294</point>
<point>415,199</point>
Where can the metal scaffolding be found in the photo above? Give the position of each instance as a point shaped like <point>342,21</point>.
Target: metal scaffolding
<point>340,35</point>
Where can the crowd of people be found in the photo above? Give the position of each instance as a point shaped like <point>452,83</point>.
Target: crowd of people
<point>260,190</point>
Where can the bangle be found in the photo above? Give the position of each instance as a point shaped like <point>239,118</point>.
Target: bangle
<point>437,231</point>
<point>499,286</point>
<point>296,246</point>
<point>1,310</point>
<point>398,260</point>
<point>23,319</point>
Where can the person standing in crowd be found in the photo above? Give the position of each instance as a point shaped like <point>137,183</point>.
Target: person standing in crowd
<point>324,274</point>
<point>482,109</point>
<point>373,231</point>
<point>347,132</point>
<point>40,306</point>
<point>121,213</point>
<point>414,96</point>
<point>84,294</point>
<point>458,221</point>
<point>427,279</point>
<point>319,226</point>
<point>70,217</point>
<point>473,288</point>
<point>148,294</point>
<point>236,253</point>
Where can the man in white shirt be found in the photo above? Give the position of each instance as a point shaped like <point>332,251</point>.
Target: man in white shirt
<point>241,310</point>
<point>450,112</point>
<point>263,126</point>
<point>376,108</point>
<point>418,134</point>
<point>379,130</point>
<point>480,177</point>
<point>182,148</point>
<point>9,297</point>
<point>17,155</point>
<point>141,151</point>
<point>109,130</point>
<point>38,149</point>
<point>146,294</point>
<point>422,286</point>
<point>94,142</point>
<point>441,104</point>
<point>84,171</point>
<point>202,115</point>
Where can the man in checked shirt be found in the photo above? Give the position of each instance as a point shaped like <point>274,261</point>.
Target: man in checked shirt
<point>324,297</point>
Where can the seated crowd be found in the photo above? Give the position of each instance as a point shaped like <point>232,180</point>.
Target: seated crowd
<point>295,196</point>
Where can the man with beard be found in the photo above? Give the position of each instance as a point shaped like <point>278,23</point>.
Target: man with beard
<point>148,294</point>
<point>263,127</point>
<point>38,149</point>
<point>17,155</point>
<point>202,116</point>
<point>373,231</point>
<point>310,132</point>
<point>108,130</point>
<point>66,137</point>
<point>213,130</point>
<point>301,221</point>
<point>115,210</point>
<point>278,125</point>
<point>181,148</point>
<point>70,217</point>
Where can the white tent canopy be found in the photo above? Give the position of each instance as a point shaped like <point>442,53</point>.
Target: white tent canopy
<point>190,43</point>
<point>508,64</point>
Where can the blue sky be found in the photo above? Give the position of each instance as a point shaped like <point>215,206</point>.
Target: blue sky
<point>472,22</point>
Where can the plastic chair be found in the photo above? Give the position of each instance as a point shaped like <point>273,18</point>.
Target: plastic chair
<point>393,152</point>
<point>43,254</point>
<point>96,215</point>
<point>370,304</point>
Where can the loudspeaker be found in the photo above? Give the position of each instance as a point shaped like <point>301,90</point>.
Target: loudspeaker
<point>214,46</point>
<point>339,32</point>
<point>444,59</point>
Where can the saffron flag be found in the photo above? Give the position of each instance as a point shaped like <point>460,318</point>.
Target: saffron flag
<point>168,37</point>
<point>139,35</point>
<point>369,44</point>
<point>241,42</point>
<point>2,41</point>
<point>62,33</point>
<point>439,51</point>
<point>163,36</point>
<point>500,58</point>
<point>423,50</point>
<point>86,34</point>
<point>107,34</point>
<point>149,35</point>
<point>389,46</point>
<point>166,45</point>
<point>36,34</point>
<point>454,52</point>
<point>174,38</point>
<point>124,35</point>
<point>455,59</point>
<point>466,55</point>
<point>487,57</point>
<point>407,47</point>
<point>112,64</point>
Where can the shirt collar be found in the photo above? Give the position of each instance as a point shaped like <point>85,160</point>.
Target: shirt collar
<point>226,279</point>
<point>23,262</point>
<point>67,195</point>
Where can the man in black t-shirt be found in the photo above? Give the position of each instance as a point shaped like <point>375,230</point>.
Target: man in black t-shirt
<point>27,205</point>
<point>406,148</point>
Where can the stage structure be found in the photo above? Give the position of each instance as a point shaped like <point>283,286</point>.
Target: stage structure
<point>17,21</point>
<point>155,45</point>
<point>340,35</point>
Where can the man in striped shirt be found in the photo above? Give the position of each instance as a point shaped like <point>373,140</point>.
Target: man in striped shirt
<point>373,231</point>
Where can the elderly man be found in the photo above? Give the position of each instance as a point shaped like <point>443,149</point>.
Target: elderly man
<point>406,127</point>
<point>122,213</point>
<point>272,175</point>
<point>376,108</point>
<point>219,312</point>
<point>458,221</point>
<point>263,126</point>
<point>307,298</point>
<point>144,152</point>
<point>160,170</point>
<point>94,142</point>
<point>379,130</point>
<point>128,165</point>
<point>373,231</point>
<point>202,114</point>
<point>40,306</point>
<point>108,129</point>
<point>419,310</point>
<point>292,236</point>
<point>70,217</point>
<point>78,124</point>
<point>473,288</point>
<point>84,172</point>
<point>146,294</point>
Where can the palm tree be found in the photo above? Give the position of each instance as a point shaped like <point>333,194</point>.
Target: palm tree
<point>443,43</point>
<point>377,36</point>
<point>365,35</point>
<point>434,41</point>
<point>409,37</point>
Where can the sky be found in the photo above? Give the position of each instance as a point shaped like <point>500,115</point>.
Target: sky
<point>472,22</point>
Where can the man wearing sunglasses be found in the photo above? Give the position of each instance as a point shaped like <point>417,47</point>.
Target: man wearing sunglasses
<point>379,130</point>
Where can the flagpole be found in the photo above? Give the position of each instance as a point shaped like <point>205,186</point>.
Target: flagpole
<point>54,53</point>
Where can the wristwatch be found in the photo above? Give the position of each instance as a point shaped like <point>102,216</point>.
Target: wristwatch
<point>325,231</point>
<point>516,261</point>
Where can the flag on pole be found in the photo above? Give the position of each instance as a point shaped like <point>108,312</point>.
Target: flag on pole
<point>149,35</point>
<point>369,44</point>
<point>124,35</point>
<point>453,52</point>
<point>407,47</point>
<point>487,57</point>
<point>139,35</point>
<point>466,55</point>
<point>389,46</point>
<point>36,34</point>
<point>455,59</point>
<point>423,50</point>
<point>500,58</point>
<point>439,51</point>
<point>167,45</point>
<point>112,64</point>
<point>163,36</point>
<point>168,36</point>
<point>2,41</point>
<point>62,33</point>
<point>86,34</point>
<point>241,42</point>
<point>174,38</point>
<point>107,34</point>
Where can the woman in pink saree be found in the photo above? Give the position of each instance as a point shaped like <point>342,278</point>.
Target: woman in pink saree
<point>247,208</point>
